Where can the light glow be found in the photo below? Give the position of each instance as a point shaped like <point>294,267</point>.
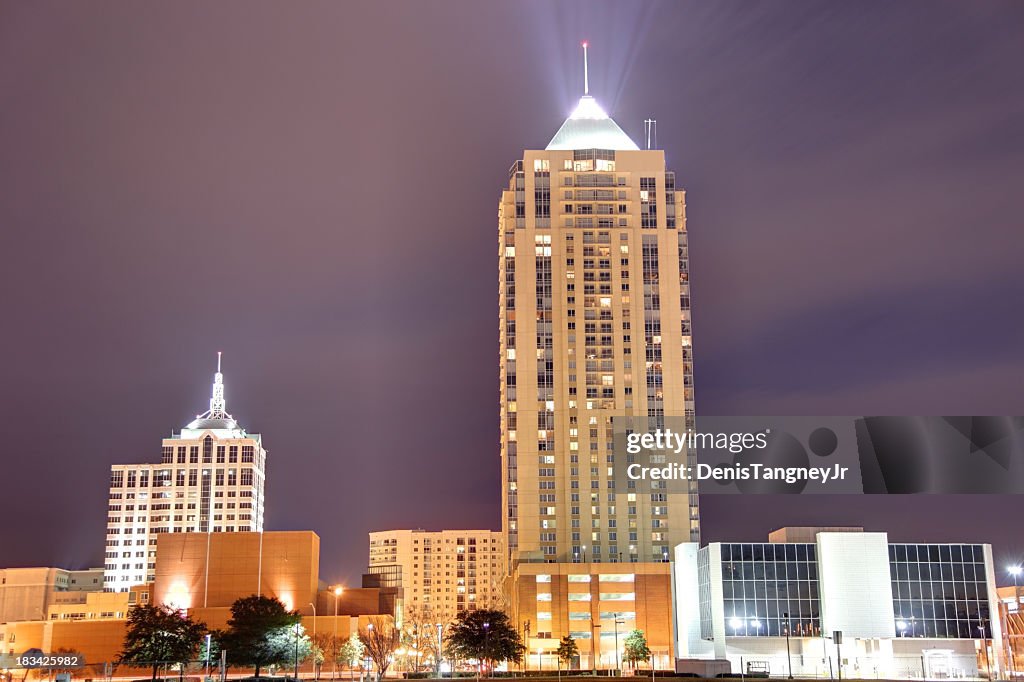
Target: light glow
<point>178,596</point>
<point>588,109</point>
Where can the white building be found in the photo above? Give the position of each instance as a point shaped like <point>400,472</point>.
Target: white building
<point>441,573</point>
<point>210,479</point>
<point>903,610</point>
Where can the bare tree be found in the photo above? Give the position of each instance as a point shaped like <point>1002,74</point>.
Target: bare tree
<point>420,632</point>
<point>380,638</point>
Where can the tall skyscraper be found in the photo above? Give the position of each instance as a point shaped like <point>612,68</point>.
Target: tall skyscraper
<point>210,479</point>
<point>594,302</point>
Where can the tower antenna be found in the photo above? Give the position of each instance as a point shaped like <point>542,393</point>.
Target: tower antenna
<point>218,361</point>
<point>586,75</point>
<point>651,126</point>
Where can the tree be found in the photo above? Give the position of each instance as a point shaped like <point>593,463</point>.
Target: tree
<point>420,632</point>
<point>160,634</point>
<point>262,632</point>
<point>567,650</point>
<point>380,638</point>
<point>426,630</point>
<point>324,648</point>
<point>635,648</point>
<point>485,635</point>
<point>350,652</point>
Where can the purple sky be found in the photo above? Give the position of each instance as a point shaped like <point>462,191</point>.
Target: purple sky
<point>312,188</point>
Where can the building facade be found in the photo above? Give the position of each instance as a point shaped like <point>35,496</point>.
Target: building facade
<point>594,322</point>
<point>900,610</point>
<point>1011,612</point>
<point>28,593</point>
<point>441,573</point>
<point>210,478</point>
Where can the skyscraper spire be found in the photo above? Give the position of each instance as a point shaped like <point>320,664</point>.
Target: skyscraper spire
<point>217,407</point>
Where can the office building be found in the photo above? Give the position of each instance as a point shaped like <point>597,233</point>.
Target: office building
<point>210,478</point>
<point>594,321</point>
<point>28,593</point>
<point>851,599</point>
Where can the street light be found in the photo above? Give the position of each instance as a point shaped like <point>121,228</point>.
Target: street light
<point>789,656</point>
<point>487,634</point>
<point>369,637</point>
<point>337,593</point>
<point>208,638</point>
<point>984,643</point>
<point>440,632</point>
<point>296,651</point>
<point>618,622</point>
<point>1015,571</point>
<point>313,642</point>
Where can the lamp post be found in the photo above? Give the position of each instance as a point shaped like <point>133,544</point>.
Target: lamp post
<point>527,642</point>
<point>369,636</point>
<point>984,644</point>
<point>440,630</point>
<point>312,646</point>
<point>1015,571</point>
<point>337,594</point>
<point>789,656</point>
<point>617,622</point>
<point>487,634</point>
<point>296,651</point>
<point>208,638</point>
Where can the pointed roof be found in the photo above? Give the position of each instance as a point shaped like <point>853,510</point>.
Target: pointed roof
<point>588,127</point>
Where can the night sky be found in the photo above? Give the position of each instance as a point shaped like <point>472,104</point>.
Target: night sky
<point>312,188</point>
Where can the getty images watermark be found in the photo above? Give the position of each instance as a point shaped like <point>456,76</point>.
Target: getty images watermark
<point>827,455</point>
<point>662,442</point>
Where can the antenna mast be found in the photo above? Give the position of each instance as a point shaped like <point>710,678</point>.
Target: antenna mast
<point>651,125</point>
<point>586,75</point>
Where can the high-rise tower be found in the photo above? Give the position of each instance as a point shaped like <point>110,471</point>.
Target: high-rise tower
<point>594,304</point>
<point>210,479</point>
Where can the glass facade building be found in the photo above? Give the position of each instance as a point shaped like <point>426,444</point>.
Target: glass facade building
<point>939,590</point>
<point>904,610</point>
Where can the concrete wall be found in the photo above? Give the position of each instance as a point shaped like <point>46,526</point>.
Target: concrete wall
<point>284,565</point>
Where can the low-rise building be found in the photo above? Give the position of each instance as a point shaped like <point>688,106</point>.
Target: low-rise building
<point>28,593</point>
<point>597,605</point>
<point>846,599</point>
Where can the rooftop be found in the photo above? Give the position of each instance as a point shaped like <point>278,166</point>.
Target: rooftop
<point>589,127</point>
